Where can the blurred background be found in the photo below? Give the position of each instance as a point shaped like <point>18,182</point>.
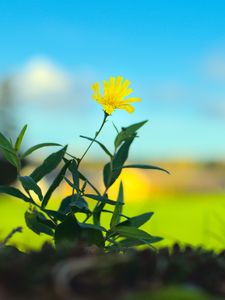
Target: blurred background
<point>173,52</point>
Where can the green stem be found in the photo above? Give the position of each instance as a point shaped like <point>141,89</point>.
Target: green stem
<point>106,190</point>
<point>96,135</point>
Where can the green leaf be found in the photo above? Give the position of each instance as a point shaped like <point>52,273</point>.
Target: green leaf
<point>4,142</point>
<point>33,222</point>
<point>100,198</point>
<point>137,221</point>
<point>74,203</point>
<point>13,192</point>
<point>118,207</point>
<point>11,151</point>
<point>107,174</point>
<point>48,165</point>
<point>80,205</point>
<point>119,159</point>
<point>64,207</point>
<point>71,231</point>
<point>38,146</point>
<point>67,232</point>
<point>134,233</point>
<point>84,178</point>
<point>43,220</point>
<point>127,133</point>
<point>75,174</point>
<point>92,234</point>
<point>12,158</point>
<point>111,212</point>
<point>92,226</point>
<point>8,151</point>
<point>97,213</point>
<point>128,243</point>
<point>55,214</point>
<point>58,179</point>
<point>147,167</point>
<point>20,138</point>
<point>29,184</point>
<point>69,183</point>
<point>100,144</point>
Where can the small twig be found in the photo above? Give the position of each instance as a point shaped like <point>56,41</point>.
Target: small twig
<point>10,235</point>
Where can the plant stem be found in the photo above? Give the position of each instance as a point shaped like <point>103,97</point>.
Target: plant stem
<point>96,135</point>
<point>8,237</point>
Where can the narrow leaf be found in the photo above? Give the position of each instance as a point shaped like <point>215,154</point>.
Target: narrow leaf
<point>117,163</point>
<point>48,165</point>
<point>12,151</point>
<point>12,158</point>
<point>92,226</point>
<point>97,213</point>
<point>8,151</point>
<point>137,221</point>
<point>127,132</point>
<point>13,192</point>
<point>107,174</point>
<point>5,142</point>
<point>43,220</point>
<point>101,199</point>
<point>118,207</point>
<point>100,144</point>
<point>84,178</point>
<point>58,179</point>
<point>75,174</point>
<point>29,184</point>
<point>127,243</point>
<point>20,138</point>
<point>132,232</point>
<point>55,214</point>
<point>38,146</point>
<point>147,167</point>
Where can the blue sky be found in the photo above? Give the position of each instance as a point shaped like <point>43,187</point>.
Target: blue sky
<point>172,51</point>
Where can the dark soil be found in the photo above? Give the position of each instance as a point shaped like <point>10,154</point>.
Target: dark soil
<point>87,273</point>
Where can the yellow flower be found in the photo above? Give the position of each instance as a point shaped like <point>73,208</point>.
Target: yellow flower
<point>114,95</point>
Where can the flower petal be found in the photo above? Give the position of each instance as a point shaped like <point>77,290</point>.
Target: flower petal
<point>119,80</point>
<point>133,99</point>
<point>127,107</point>
<point>96,89</point>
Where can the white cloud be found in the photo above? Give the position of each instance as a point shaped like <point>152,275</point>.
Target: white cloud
<point>40,77</point>
<point>42,82</point>
<point>214,66</point>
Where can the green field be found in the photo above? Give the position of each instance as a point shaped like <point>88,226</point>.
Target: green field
<point>197,220</point>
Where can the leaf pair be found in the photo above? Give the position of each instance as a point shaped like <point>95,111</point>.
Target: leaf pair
<point>10,151</point>
<point>38,223</point>
<point>134,236</point>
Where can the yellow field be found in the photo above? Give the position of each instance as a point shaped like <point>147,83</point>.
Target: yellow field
<point>193,219</point>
